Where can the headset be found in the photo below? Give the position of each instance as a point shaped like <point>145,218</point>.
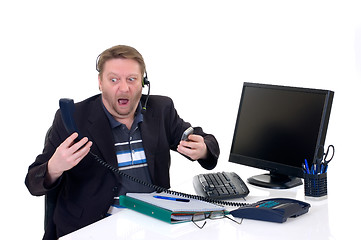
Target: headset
<point>145,81</point>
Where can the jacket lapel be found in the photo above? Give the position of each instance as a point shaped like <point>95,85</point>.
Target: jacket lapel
<point>101,134</point>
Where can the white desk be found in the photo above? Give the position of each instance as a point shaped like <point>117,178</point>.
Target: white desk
<point>325,220</point>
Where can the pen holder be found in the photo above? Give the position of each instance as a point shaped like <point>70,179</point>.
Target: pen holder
<point>315,185</point>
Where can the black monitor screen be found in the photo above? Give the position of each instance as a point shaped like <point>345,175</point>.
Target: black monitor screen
<point>279,127</point>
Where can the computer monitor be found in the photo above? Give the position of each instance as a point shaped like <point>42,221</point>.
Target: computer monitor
<point>277,128</point>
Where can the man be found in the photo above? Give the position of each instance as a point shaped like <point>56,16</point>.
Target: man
<point>127,130</point>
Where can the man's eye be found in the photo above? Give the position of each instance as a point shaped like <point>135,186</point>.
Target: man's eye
<point>113,80</point>
<point>132,79</point>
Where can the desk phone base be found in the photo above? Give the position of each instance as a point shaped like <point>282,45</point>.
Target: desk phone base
<point>272,210</point>
<point>220,185</point>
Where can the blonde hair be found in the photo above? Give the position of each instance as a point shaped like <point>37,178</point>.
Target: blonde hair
<point>120,51</point>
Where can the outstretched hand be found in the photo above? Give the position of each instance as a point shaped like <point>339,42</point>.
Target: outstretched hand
<point>194,147</point>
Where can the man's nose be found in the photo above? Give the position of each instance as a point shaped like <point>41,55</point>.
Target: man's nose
<point>123,86</point>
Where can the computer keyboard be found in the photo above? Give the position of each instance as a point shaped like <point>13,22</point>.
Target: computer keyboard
<point>220,185</point>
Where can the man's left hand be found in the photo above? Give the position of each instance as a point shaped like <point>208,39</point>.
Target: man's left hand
<point>194,147</point>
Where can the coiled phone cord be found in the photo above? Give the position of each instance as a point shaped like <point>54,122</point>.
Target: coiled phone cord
<point>162,189</point>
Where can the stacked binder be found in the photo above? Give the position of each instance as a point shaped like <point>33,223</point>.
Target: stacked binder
<point>167,207</point>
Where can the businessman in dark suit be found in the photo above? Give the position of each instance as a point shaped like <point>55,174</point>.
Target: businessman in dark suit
<point>135,140</point>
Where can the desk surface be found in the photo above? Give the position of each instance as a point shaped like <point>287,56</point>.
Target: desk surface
<point>325,220</point>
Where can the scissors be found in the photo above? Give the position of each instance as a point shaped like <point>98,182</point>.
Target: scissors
<point>325,161</point>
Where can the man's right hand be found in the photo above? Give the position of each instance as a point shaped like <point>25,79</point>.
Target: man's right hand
<point>67,156</point>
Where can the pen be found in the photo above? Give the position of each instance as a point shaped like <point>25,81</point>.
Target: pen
<point>324,168</point>
<point>312,170</point>
<point>172,199</point>
<point>307,167</point>
<point>304,168</point>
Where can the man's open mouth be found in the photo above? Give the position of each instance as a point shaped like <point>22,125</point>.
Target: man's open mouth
<point>123,101</point>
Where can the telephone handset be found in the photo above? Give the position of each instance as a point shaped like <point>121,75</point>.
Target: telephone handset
<point>67,110</point>
<point>67,115</point>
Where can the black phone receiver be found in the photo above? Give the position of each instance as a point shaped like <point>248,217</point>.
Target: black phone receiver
<point>67,114</point>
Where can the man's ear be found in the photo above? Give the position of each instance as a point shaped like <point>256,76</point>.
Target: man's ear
<point>100,83</point>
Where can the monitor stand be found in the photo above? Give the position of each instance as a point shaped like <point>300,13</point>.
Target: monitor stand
<point>275,181</point>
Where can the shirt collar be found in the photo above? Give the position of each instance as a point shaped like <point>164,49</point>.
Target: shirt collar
<point>114,123</point>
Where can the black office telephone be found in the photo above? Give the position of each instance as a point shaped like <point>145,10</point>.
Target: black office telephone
<point>67,110</point>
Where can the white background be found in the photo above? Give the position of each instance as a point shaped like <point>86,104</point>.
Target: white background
<point>197,52</point>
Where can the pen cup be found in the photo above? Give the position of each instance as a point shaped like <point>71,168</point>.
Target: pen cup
<point>315,185</point>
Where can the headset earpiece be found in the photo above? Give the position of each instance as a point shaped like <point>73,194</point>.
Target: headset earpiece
<point>145,80</point>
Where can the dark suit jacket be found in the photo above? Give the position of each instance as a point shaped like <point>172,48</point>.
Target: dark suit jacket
<point>87,190</point>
